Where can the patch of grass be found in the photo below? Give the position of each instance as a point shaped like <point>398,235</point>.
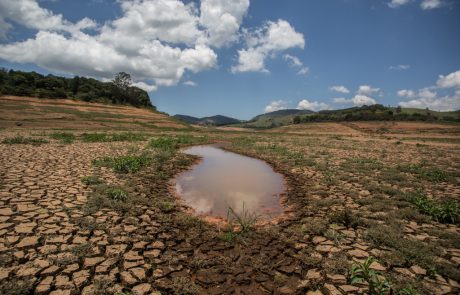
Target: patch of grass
<point>117,194</point>
<point>183,286</point>
<point>347,218</point>
<point>24,140</point>
<point>124,164</point>
<point>229,236</point>
<point>63,137</point>
<point>91,180</point>
<point>314,226</point>
<point>167,207</point>
<point>427,173</point>
<point>106,137</point>
<point>444,211</point>
<point>405,250</point>
<point>16,286</point>
<point>245,220</point>
<point>174,142</point>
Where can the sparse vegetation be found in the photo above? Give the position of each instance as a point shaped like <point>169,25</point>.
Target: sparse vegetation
<point>24,140</point>
<point>63,137</point>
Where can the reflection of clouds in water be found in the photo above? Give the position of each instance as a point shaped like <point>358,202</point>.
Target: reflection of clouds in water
<point>237,200</point>
<point>188,177</point>
<point>203,205</point>
<point>224,179</point>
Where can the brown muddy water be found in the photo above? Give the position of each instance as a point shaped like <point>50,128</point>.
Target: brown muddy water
<point>224,179</point>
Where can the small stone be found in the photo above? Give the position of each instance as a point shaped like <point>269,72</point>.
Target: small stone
<point>157,245</point>
<point>313,274</point>
<point>331,290</point>
<point>53,269</point>
<point>404,271</point>
<point>6,211</point>
<point>115,250</point>
<point>323,248</point>
<point>27,242</point>
<point>142,289</point>
<point>127,278</point>
<point>418,270</point>
<point>377,266</point>
<point>337,279</point>
<point>89,262</point>
<point>349,289</point>
<point>44,286</point>
<point>318,239</point>
<point>132,256</point>
<point>358,253</point>
<point>80,277</point>
<point>138,272</point>
<point>152,254</point>
<point>285,290</point>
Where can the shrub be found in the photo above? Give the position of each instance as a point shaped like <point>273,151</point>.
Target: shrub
<point>63,137</point>
<point>347,218</point>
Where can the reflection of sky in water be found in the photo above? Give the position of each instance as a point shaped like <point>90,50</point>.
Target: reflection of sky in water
<point>223,179</point>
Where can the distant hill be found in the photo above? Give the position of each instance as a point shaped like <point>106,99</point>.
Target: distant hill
<point>217,120</point>
<point>275,119</point>
<point>32,84</point>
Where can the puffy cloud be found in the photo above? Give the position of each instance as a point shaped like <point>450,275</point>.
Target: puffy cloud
<point>397,3</point>
<point>339,88</point>
<point>367,90</point>
<point>430,4</point>
<point>295,62</point>
<point>357,100</point>
<point>406,93</point>
<point>268,40</point>
<point>360,100</point>
<point>446,103</point>
<point>449,81</point>
<point>428,97</point>
<point>29,14</point>
<point>145,86</point>
<point>399,67</point>
<point>156,40</point>
<point>222,19</point>
<point>190,83</point>
<point>276,106</point>
<point>305,104</point>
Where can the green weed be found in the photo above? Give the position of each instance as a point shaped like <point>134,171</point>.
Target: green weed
<point>63,137</point>
<point>363,273</point>
<point>24,140</point>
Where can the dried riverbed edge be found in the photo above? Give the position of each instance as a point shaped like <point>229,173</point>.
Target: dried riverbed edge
<point>184,260</point>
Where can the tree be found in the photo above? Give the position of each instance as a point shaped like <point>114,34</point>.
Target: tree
<point>122,81</point>
<point>296,120</point>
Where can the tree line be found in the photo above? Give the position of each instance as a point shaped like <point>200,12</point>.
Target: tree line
<point>377,112</point>
<point>118,91</point>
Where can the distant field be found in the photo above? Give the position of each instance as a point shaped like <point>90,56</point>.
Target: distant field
<point>69,114</point>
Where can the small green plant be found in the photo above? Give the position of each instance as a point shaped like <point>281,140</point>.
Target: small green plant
<point>167,206</point>
<point>245,220</point>
<point>117,194</point>
<point>363,273</point>
<point>24,140</point>
<point>95,137</point>
<point>63,137</point>
<point>229,236</point>
<point>91,180</point>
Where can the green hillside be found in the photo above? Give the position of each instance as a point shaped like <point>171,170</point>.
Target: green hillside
<point>32,84</point>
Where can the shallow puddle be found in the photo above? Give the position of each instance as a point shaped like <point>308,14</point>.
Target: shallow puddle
<point>224,179</point>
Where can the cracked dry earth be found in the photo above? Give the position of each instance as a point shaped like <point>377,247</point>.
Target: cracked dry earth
<point>49,240</point>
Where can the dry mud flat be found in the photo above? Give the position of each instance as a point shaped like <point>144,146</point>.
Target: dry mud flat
<point>52,243</point>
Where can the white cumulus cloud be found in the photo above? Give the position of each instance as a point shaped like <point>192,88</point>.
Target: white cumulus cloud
<point>367,90</point>
<point>430,4</point>
<point>268,40</point>
<point>222,19</point>
<point>406,93</point>
<point>295,62</point>
<point>428,97</point>
<point>399,67</point>
<point>340,89</point>
<point>145,86</point>
<point>397,3</point>
<point>305,104</point>
<point>276,106</point>
<point>190,83</point>
<point>449,81</point>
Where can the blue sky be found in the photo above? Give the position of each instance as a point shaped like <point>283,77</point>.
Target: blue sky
<point>243,57</point>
